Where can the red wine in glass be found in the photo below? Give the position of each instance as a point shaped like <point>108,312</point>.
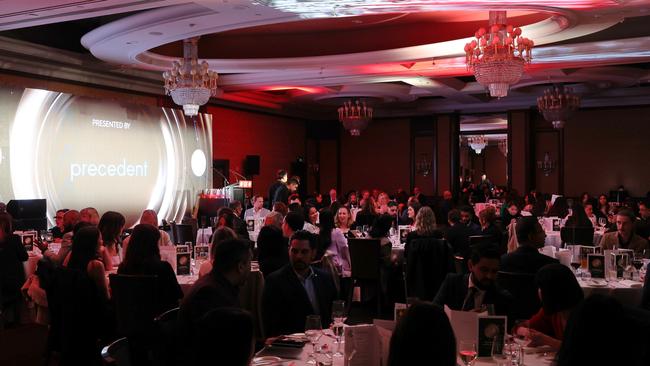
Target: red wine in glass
<point>638,264</point>
<point>467,356</point>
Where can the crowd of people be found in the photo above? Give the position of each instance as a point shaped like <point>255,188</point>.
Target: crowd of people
<point>303,254</point>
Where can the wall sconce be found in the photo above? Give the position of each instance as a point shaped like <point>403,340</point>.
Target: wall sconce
<point>423,165</point>
<point>547,166</point>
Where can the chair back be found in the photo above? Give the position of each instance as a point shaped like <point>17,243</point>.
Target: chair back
<point>428,262</point>
<point>365,257</point>
<point>579,235</point>
<point>326,263</point>
<point>164,341</point>
<point>135,301</point>
<point>117,353</point>
<point>481,239</point>
<point>183,233</point>
<point>524,291</point>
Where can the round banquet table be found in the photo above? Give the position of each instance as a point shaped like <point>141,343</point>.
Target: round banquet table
<point>626,292</point>
<point>553,238</point>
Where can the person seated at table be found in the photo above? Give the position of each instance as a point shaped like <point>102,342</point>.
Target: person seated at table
<point>297,290</point>
<point>468,219</point>
<point>333,242</point>
<point>560,208</point>
<point>89,215</point>
<point>220,288</point>
<point>311,219</point>
<point>425,227</point>
<point>292,222</point>
<point>578,218</point>
<point>111,226</point>
<point>458,234</point>
<point>642,224</point>
<point>423,333</point>
<point>367,215</point>
<point>226,217</point>
<point>281,208</point>
<point>85,257</point>
<point>149,217</point>
<point>220,235</point>
<point>527,258</point>
<point>600,331</point>
<point>343,220</point>
<point>257,211</point>
<point>224,336</point>
<point>57,230</point>
<point>408,216</point>
<point>510,213</point>
<point>352,201</point>
<point>603,205</point>
<point>560,294</point>
<point>272,248</point>
<point>12,273</point>
<point>589,212</point>
<point>624,236</point>
<point>471,291</point>
<point>70,219</point>
<point>143,258</point>
<point>274,219</point>
<point>487,218</point>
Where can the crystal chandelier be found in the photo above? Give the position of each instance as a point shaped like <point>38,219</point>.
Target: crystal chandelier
<point>189,83</point>
<point>355,116</point>
<point>503,147</point>
<point>477,143</point>
<point>557,105</point>
<point>498,55</point>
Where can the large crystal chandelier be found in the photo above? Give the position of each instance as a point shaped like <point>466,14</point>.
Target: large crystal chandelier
<point>557,105</point>
<point>477,143</point>
<point>189,83</point>
<point>355,116</point>
<point>498,55</point>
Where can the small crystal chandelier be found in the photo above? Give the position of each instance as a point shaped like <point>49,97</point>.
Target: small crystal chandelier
<point>557,105</point>
<point>355,116</point>
<point>189,83</point>
<point>498,55</point>
<point>477,143</point>
<point>423,166</point>
<point>503,146</point>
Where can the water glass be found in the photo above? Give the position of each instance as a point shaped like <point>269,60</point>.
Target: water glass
<point>339,316</point>
<point>501,356</point>
<point>313,331</point>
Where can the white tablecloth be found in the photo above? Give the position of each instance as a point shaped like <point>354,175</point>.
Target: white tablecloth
<point>620,290</point>
<point>553,238</point>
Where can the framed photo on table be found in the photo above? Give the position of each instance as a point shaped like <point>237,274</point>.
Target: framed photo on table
<point>28,240</point>
<point>491,330</point>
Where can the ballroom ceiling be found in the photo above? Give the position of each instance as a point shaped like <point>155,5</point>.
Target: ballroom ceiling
<point>306,57</point>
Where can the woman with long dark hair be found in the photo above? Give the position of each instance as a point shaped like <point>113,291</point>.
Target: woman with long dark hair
<point>368,213</point>
<point>578,218</point>
<point>84,257</point>
<point>559,209</point>
<point>111,226</point>
<point>143,258</point>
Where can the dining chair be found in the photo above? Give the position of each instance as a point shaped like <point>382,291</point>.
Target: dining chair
<point>579,235</point>
<point>365,260</point>
<point>117,353</point>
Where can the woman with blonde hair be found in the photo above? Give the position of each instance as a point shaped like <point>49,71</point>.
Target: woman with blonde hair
<point>343,219</point>
<point>425,227</point>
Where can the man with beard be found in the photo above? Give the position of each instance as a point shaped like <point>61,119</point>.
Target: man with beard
<point>297,290</point>
<point>477,289</point>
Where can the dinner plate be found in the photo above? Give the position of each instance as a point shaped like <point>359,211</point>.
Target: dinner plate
<point>597,283</point>
<point>266,360</point>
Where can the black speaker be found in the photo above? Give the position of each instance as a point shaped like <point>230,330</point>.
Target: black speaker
<point>252,165</point>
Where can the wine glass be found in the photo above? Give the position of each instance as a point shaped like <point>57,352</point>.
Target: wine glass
<point>339,316</point>
<point>501,353</point>
<point>467,352</point>
<point>521,332</point>
<point>313,331</point>
<point>602,221</point>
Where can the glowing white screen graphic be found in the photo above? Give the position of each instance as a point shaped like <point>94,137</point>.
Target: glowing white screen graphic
<point>78,152</point>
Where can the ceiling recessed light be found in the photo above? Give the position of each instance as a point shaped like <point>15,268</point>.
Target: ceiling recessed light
<point>156,33</point>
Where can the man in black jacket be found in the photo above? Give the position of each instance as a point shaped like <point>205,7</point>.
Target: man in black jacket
<point>458,234</point>
<point>297,290</point>
<point>527,258</point>
<point>281,181</point>
<point>471,291</point>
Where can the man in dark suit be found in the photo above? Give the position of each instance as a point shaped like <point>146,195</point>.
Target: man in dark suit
<point>219,288</point>
<point>284,191</point>
<point>281,181</point>
<point>458,234</point>
<point>527,258</point>
<point>468,292</point>
<point>297,290</point>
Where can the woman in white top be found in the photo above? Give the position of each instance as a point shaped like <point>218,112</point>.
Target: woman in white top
<point>343,220</point>
<point>334,243</point>
<point>111,226</point>
<point>311,219</point>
